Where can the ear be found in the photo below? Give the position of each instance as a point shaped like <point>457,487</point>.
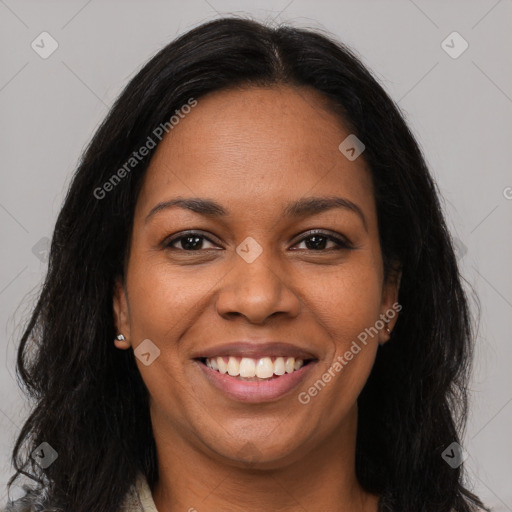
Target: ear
<point>121,315</point>
<point>389,303</point>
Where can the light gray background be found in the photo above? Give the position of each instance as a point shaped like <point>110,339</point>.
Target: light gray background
<point>459,109</point>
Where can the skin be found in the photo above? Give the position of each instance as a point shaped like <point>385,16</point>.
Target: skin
<point>253,150</point>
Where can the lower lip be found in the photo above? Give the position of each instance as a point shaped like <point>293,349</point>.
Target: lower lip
<point>250,391</point>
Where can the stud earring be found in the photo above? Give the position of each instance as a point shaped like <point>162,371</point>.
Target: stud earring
<point>120,337</point>
<point>388,331</point>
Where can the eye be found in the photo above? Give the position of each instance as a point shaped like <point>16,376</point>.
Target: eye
<point>317,239</point>
<point>189,241</point>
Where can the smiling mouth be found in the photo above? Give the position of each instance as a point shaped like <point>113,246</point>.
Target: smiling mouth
<point>254,370</point>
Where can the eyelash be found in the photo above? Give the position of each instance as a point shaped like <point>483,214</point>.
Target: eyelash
<point>341,242</point>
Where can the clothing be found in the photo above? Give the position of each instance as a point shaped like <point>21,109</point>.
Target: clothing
<point>137,499</point>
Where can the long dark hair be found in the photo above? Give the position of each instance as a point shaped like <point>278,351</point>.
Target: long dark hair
<point>91,404</point>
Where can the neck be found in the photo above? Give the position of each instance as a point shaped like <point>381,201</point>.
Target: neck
<point>319,479</point>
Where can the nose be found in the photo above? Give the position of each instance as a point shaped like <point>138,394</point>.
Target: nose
<point>257,290</point>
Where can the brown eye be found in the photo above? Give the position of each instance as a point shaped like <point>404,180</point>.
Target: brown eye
<point>190,241</point>
<point>317,241</point>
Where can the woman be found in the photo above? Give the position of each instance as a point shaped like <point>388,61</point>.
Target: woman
<point>252,300</point>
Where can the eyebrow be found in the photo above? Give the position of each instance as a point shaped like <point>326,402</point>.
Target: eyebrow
<point>300,208</point>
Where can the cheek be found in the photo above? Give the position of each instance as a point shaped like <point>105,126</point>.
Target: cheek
<point>162,302</point>
<point>346,300</point>
<point>161,299</point>
<point>349,305</point>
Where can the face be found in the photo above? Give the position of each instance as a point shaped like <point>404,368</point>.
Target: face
<point>198,280</point>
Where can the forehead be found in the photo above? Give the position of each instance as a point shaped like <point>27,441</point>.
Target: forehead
<point>256,148</point>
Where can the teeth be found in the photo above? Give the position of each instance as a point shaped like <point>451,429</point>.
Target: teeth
<point>247,367</point>
<point>264,368</point>
<point>233,367</point>
<point>279,367</point>
<point>223,367</point>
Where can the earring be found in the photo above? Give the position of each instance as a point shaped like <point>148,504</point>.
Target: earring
<point>388,331</point>
<point>125,343</point>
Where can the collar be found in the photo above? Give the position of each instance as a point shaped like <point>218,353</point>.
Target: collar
<point>139,497</point>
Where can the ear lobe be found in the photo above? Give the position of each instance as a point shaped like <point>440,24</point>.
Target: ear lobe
<point>121,314</point>
<point>390,301</point>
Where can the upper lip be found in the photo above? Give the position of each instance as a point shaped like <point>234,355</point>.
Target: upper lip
<point>255,350</point>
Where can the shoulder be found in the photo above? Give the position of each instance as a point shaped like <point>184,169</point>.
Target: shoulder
<point>35,500</point>
<point>138,499</point>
